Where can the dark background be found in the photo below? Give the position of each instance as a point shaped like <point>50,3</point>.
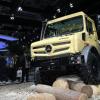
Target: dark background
<point>26,25</point>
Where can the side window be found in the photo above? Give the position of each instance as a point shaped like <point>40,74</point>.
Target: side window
<point>89,26</point>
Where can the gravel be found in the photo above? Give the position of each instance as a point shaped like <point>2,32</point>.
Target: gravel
<point>16,91</point>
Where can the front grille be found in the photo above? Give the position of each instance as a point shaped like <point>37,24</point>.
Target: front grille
<point>40,52</point>
<point>37,47</point>
<point>56,47</point>
<point>62,43</point>
<point>61,49</point>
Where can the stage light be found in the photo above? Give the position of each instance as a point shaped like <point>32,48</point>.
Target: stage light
<point>20,9</point>
<point>71,5</point>
<point>54,17</point>
<point>12,17</point>
<point>58,10</point>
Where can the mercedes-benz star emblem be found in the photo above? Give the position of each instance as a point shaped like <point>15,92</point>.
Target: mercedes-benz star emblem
<point>48,48</point>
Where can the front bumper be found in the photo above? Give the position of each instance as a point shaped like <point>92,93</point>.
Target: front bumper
<point>70,60</point>
<point>50,62</point>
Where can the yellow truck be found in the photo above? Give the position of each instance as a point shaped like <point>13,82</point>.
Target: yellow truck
<point>68,45</point>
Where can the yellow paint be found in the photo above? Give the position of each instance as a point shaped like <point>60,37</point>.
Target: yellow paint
<point>76,44</point>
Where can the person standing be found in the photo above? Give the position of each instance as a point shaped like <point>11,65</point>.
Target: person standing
<point>19,74</point>
<point>25,64</point>
<point>10,65</point>
<point>3,75</point>
<point>27,67</point>
<point>16,66</point>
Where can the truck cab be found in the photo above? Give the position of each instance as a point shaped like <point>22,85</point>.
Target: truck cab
<point>68,41</point>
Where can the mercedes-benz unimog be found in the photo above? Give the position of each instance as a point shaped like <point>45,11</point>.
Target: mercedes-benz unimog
<point>68,45</point>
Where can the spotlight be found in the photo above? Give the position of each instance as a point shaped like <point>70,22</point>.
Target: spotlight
<point>71,5</point>
<point>58,10</point>
<point>12,17</point>
<point>54,17</point>
<point>19,9</point>
<point>24,37</point>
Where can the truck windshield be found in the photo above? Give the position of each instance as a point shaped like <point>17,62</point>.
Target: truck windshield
<point>64,27</point>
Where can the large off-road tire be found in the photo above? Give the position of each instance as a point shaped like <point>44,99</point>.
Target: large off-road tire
<point>90,71</point>
<point>42,77</point>
<point>47,77</point>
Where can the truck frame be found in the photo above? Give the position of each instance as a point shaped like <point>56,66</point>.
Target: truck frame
<point>68,45</point>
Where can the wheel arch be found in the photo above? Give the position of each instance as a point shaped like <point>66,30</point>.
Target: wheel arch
<point>85,52</point>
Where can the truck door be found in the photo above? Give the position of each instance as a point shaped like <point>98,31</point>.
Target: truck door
<point>91,33</point>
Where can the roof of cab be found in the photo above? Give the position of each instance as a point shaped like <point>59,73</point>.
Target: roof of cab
<point>66,17</point>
